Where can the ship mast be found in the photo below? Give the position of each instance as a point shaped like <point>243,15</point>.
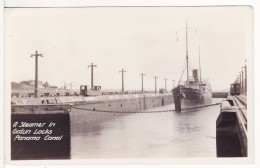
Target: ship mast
<point>187,56</point>
<point>199,64</point>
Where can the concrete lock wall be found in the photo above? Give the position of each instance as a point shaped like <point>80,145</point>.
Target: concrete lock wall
<point>85,120</point>
<point>126,104</point>
<point>231,141</point>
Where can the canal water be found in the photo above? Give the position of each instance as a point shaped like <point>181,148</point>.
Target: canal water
<point>186,134</point>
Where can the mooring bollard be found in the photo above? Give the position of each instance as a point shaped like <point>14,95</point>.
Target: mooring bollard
<point>40,132</point>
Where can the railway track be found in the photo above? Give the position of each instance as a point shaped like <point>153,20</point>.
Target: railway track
<point>241,103</point>
<point>242,100</point>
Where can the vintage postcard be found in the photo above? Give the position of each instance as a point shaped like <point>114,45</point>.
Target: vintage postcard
<point>154,85</point>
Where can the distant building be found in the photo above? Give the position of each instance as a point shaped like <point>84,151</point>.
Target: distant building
<point>53,87</point>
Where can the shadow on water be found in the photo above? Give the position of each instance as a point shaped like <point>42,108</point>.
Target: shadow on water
<point>85,122</point>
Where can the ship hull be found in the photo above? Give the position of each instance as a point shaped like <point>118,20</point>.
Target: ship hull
<point>185,97</point>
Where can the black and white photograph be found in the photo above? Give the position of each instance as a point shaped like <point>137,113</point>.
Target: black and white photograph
<point>129,82</point>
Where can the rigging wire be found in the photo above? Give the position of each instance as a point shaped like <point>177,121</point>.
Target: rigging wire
<point>182,74</point>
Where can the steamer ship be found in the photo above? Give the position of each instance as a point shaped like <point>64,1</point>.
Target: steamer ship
<point>194,91</point>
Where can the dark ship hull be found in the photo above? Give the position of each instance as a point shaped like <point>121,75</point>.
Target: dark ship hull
<point>187,97</point>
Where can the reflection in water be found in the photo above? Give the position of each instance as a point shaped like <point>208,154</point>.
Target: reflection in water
<point>152,135</point>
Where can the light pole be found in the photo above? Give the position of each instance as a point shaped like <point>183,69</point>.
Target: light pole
<point>242,80</point>
<point>155,83</point>
<point>142,74</point>
<point>245,77</point>
<point>92,80</point>
<point>36,55</point>
<point>122,71</point>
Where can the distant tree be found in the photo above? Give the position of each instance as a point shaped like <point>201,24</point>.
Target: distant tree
<point>46,84</point>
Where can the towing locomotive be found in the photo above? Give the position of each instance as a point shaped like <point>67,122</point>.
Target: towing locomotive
<point>235,89</point>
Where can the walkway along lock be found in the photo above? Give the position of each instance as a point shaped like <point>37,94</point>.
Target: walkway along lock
<point>40,132</point>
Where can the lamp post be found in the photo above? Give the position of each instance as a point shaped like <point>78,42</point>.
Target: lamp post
<point>245,77</point>
<point>122,71</point>
<point>242,80</point>
<point>36,55</point>
<point>92,78</point>
<point>142,75</point>
<point>155,84</point>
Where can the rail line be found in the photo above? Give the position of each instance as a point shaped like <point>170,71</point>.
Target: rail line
<point>242,108</point>
<point>242,100</point>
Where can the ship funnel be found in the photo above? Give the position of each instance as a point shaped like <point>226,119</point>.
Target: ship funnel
<point>195,75</point>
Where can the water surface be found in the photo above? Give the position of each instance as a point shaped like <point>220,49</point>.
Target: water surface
<point>153,135</point>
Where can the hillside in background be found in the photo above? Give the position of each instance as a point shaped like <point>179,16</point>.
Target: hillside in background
<point>20,86</point>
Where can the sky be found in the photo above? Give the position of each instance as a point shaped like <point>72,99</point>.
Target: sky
<point>149,40</point>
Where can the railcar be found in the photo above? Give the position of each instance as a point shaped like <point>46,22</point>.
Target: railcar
<point>235,89</point>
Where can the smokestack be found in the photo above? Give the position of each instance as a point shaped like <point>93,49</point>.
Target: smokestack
<point>195,75</point>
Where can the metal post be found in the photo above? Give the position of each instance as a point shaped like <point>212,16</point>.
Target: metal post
<point>245,79</point>
<point>92,80</point>
<point>242,81</point>
<point>155,83</point>
<point>142,74</point>
<point>123,89</point>
<point>245,90</point>
<point>36,73</point>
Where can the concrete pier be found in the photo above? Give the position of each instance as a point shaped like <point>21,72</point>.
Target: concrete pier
<point>231,127</point>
